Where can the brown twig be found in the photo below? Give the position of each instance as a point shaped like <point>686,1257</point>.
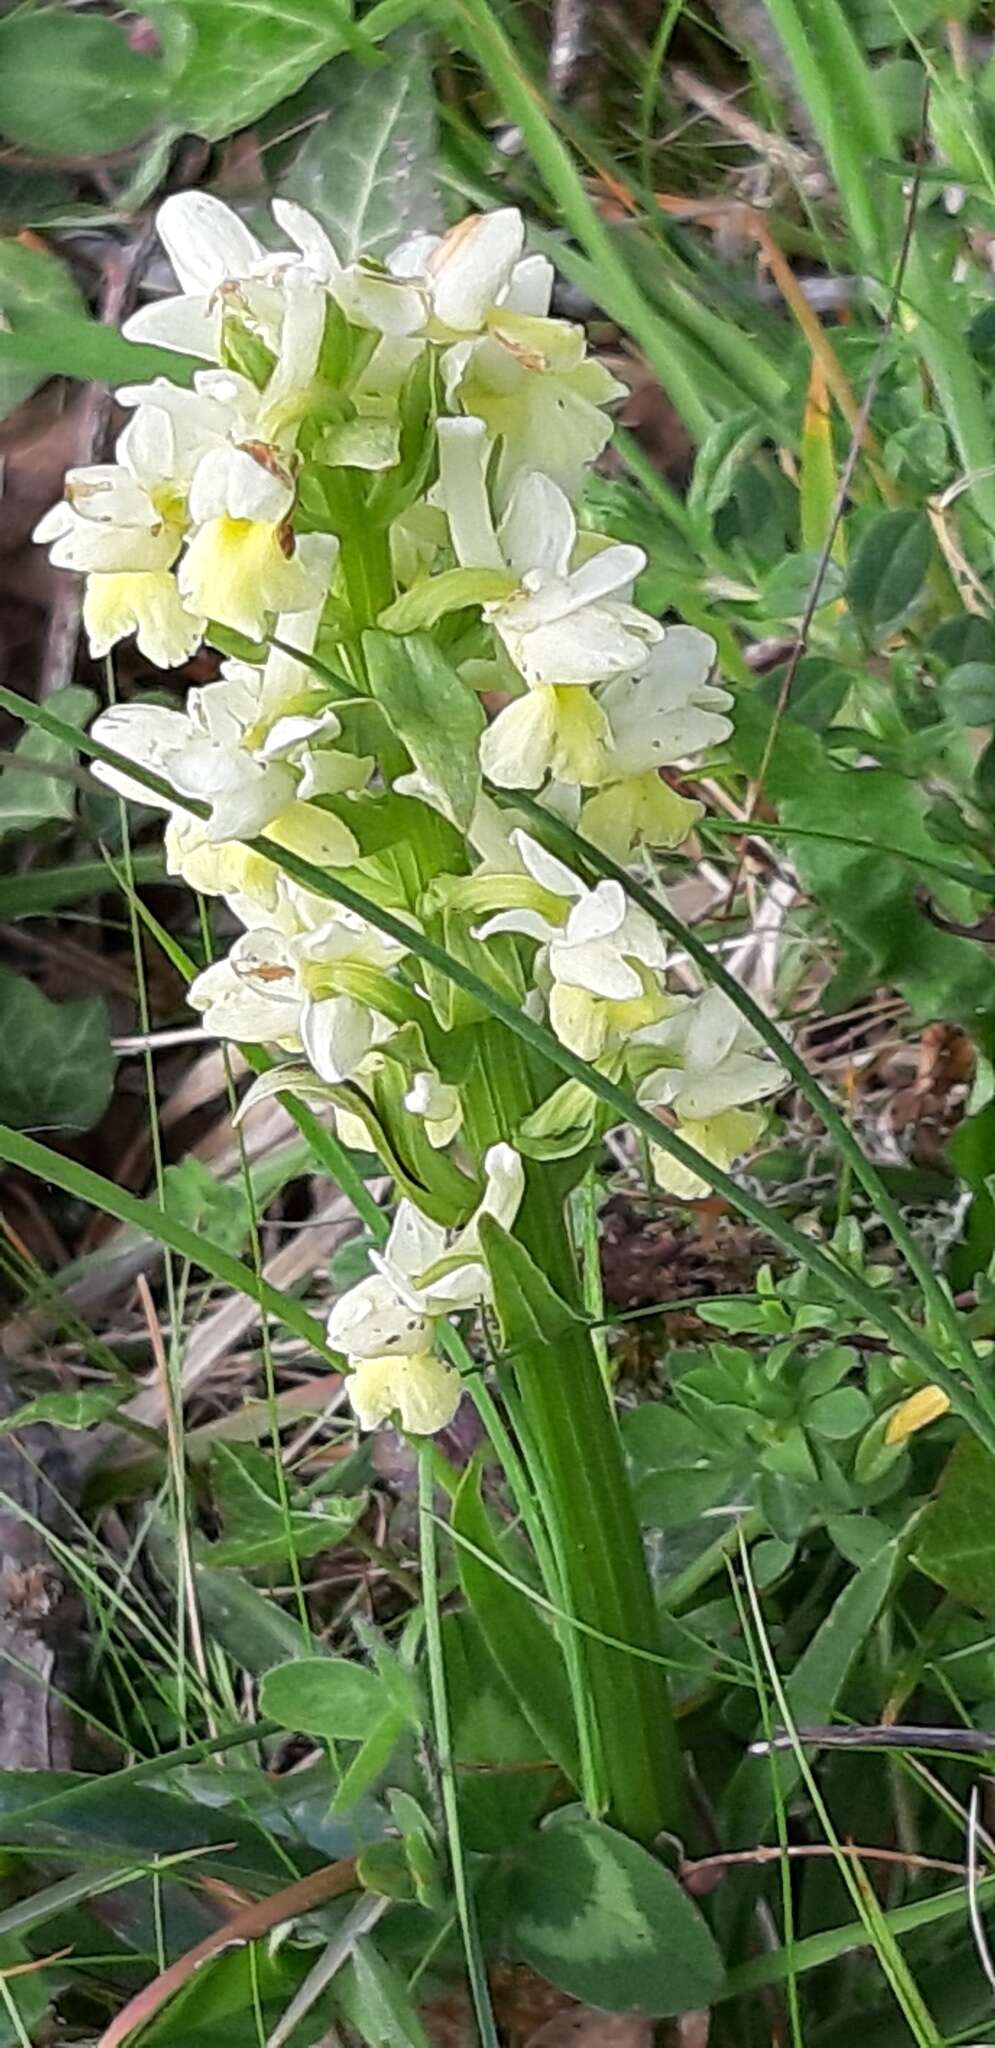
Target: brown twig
<point>250,1924</point>
<point>704,1866</point>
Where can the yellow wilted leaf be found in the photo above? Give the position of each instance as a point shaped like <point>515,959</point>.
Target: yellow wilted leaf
<point>818,480</point>
<point>922,1407</point>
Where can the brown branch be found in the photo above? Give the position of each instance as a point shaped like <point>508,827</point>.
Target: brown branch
<point>250,1924</point>
<point>703,1867</point>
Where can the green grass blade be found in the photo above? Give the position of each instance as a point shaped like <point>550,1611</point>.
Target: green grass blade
<point>86,1186</point>
<point>849,117</point>
<point>36,895</point>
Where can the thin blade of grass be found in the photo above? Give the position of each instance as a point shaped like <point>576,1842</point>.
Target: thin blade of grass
<point>86,1186</point>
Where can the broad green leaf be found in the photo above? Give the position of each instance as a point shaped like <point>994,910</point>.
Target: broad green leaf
<point>255,1632</point>
<point>968,693</point>
<point>366,169</point>
<point>970,1153</point>
<point>225,2003</point>
<point>819,690</point>
<point>870,896</point>
<point>529,1310</point>
<point>918,455</point>
<point>236,58</point>
<point>961,640</point>
<point>29,798</point>
<point>328,1697</point>
<point>195,1197</point>
<point>64,343</point>
<point>600,1917</point>
<point>719,458</point>
<point>839,1414</point>
<point>32,283</point>
<point>56,1060</point>
<point>889,567</point>
<point>499,1801</point>
<point>434,714</point>
<point>955,1539</point>
<point>784,594</point>
<point>370,1761</point>
<point>522,1646</point>
<point>563,1125</point>
<point>72,81</point>
<point>373,1997</point>
<point>383,1868</point>
<point>31,1992</point>
<point>256,1529</point>
<point>69,1411</point>
<point>48,889</point>
<point>877,24</point>
<point>73,1809</point>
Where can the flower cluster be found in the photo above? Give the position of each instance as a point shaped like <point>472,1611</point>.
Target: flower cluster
<point>364,485</point>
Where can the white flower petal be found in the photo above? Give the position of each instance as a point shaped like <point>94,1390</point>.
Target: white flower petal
<point>336,1033</point>
<point>147,604</point>
<point>463,449</point>
<point>598,967</point>
<point>414,1242</point>
<point>471,267</point>
<point>422,1391</point>
<point>550,873</point>
<point>233,1008</point>
<point>371,1319</point>
<point>145,733</point>
<point>741,1078</point>
<point>233,483</point>
<point>599,914</point>
<point>307,235</point>
<point>714,1029</point>
<point>192,326</point>
<point>611,569</point>
<point>301,335</point>
<point>538,531</point>
<point>527,924</point>
<point>205,241</point>
<point>531,287</point>
<point>410,259</point>
<point>516,749</point>
<point>109,495</point>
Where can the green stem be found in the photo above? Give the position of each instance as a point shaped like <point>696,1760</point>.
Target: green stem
<point>601,1551</point>
<point>572,1447</point>
<point>364,547</point>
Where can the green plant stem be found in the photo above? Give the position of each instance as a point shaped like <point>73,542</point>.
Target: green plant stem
<point>571,1445</point>
<point>601,1552</point>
